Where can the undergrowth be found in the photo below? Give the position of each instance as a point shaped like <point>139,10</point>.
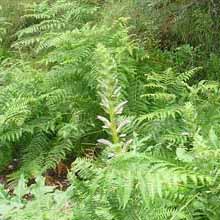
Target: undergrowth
<point>123,91</point>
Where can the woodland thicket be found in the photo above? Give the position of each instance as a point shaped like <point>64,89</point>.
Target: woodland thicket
<point>119,99</point>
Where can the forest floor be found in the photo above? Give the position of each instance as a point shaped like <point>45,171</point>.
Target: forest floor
<point>54,177</point>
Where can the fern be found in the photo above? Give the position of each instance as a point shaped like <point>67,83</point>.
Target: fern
<point>140,126</point>
<point>74,14</point>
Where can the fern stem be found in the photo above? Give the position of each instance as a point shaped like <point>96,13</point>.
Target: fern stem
<point>183,207</point>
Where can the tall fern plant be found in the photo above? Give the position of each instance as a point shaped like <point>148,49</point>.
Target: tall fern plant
<point>49,106</point>
<point>45,19</point>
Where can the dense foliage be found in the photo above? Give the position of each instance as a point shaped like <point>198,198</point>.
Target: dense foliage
<point>127,92</point>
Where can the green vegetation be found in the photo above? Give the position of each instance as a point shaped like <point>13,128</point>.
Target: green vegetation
<point>119,99</point>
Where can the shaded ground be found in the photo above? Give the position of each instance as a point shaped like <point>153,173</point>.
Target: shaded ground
<point>53,177</point>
